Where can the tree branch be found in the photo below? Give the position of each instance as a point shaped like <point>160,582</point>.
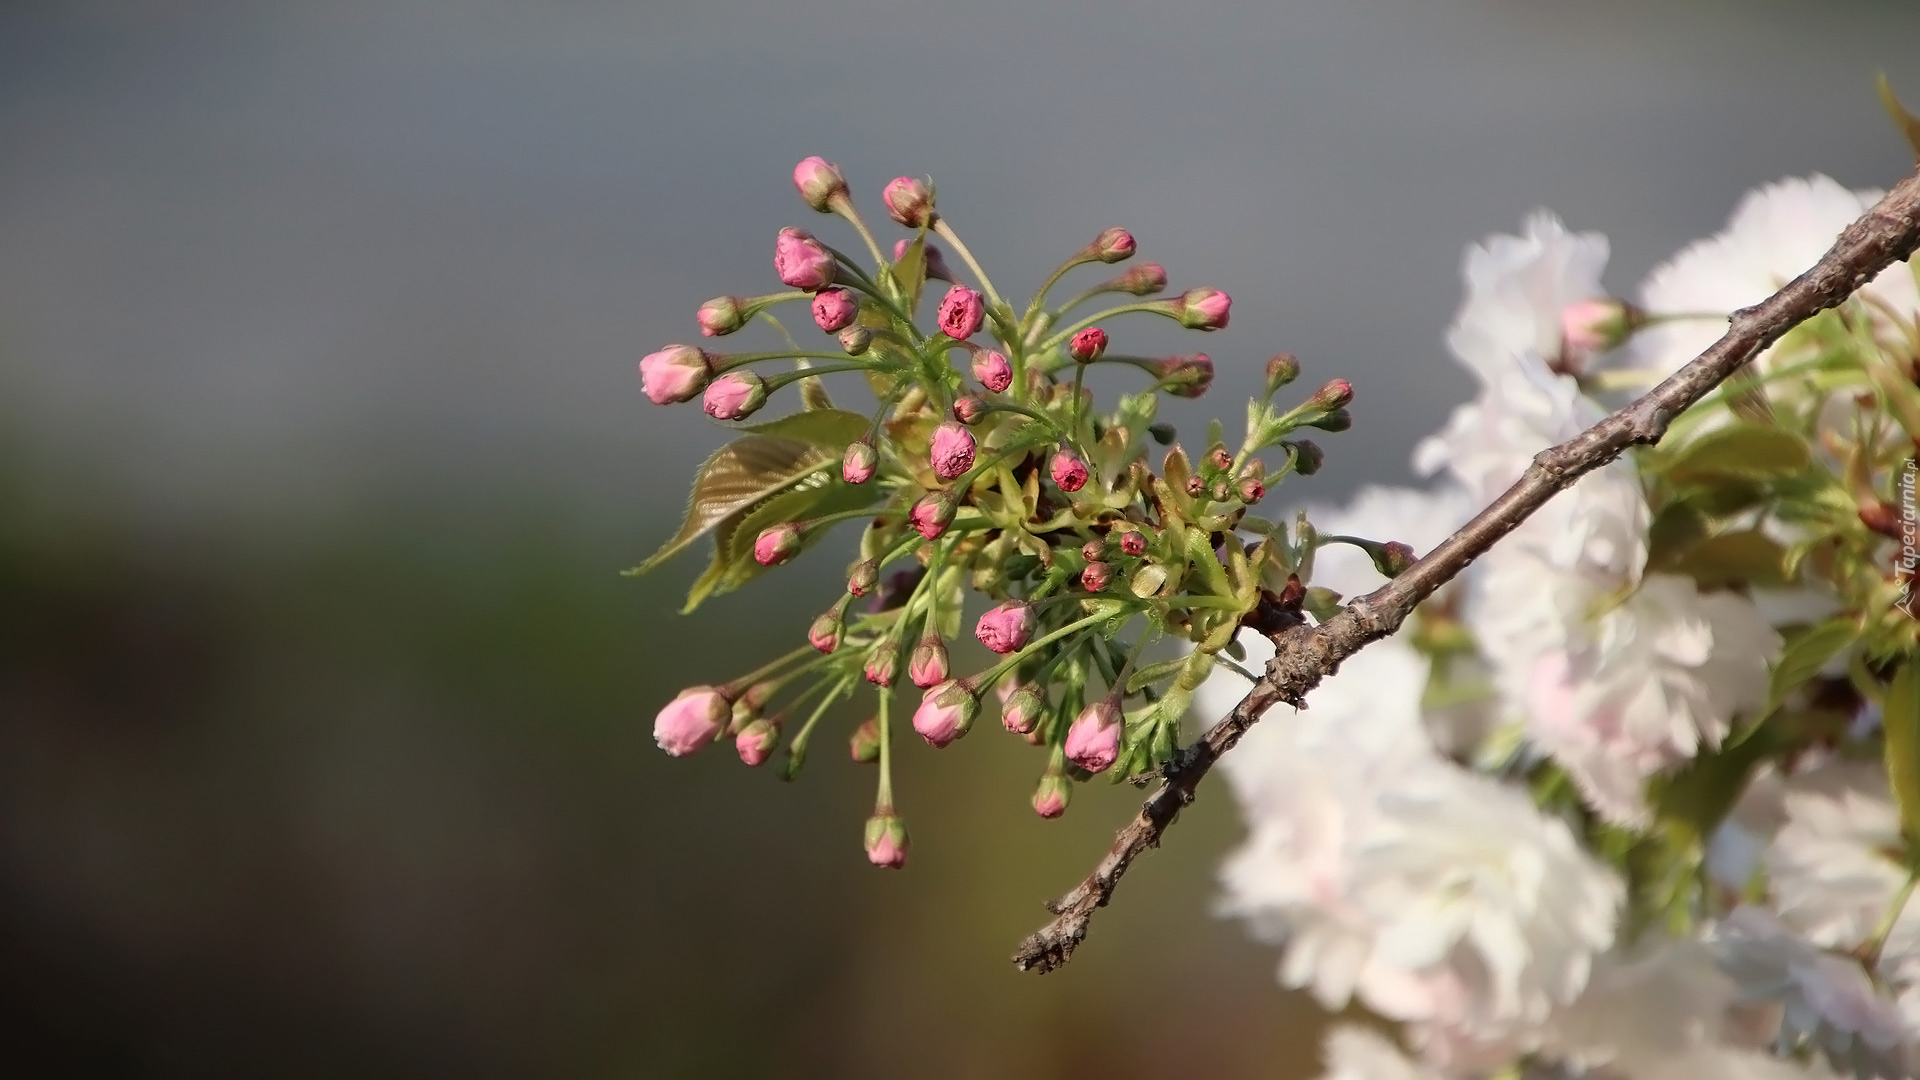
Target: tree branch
<point>1886,234</point>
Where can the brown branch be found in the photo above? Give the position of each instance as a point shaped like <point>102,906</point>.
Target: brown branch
<point>1886,234</point>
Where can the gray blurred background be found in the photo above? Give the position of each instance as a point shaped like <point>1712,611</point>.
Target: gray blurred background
<point>324,714</point>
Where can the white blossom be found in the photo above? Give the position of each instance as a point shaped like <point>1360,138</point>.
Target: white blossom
<point>1775,233</point>
<point>1352,1052</point>
<point>1826,1000</point>
<point>1827,866</point>
<point>1666,999</point>
<point>1517,288</point>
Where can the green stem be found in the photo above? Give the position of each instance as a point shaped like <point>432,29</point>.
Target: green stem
<point>728,363</point>
<point>797,746</point>
<point>946,233</point>
<point>1039,298</point>
<point>844,207</point>
<point>1062,336</point>
<point>1878,942</point>
<point>771,666</point>
<point>883,799</point>
<point>778,381</point>
<point>993,674</point>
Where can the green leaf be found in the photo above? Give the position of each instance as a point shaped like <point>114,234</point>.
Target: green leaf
<point>738,474</point>
<point>831,429</point>
<point>1739,451</point>
<point>1908,123</point>
<point>910,271</point>
<point>1805,655</point>
<point>1900,723</point>
<point>1748,556</point>
<point>733,564</point>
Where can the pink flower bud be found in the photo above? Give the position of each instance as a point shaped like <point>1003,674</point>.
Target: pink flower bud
<point>1143,280</point>
<point>1393,558</point>
<point>835,309</point>
<point>778,544</point>
<point>1093,550</point>
<point>961,313</point>
<point>1186,376</point>
<point>1112,245</point>
<point>1051,797</point>
<point>858,465</point>
<point>1020,713</point>
<point>722,315</point>
<point>1250,490</point>
<point>909,202</point>
<point>1281,370</point>
<point>692,720</point>
<point>1133,542</point>
<point>928,664</point>
<point>824,634</point>
<point>1196,487</point>
<point>1336,394</point>
<point>863,577</point>
<point>801,261</point>
<point>886,841</point>
<point>946,712</point>
<point>819,181</point>
<point>1068,471</point>
<point>1093,742</point>
<point>735,395</point>
<point>883,664</point>
<point>854,340</point>
<point>1307,456</point>
<point>932,514</point>
<point>953,449</point>
<point>1097,576</point>
<point>969,410</point>
<point>1595,326</point>
<point>1203,309</point>
<point>756,741</point>
<point>675,373</point>
<point>1007,628</point>
<point>1088,345</point>
<point>1219,458</point>
<point>992,370</point>
<point>863,746</point>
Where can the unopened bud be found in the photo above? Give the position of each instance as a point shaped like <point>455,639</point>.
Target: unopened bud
<point>691,720</point>
<point>835,309</point>
<point>1006,628</point>
<point>1595,326</point>
<point>1088,345</point>
<point>1281,370</point>
<point>819,182</point>
<point>969,410</point>
<point>1307,456</point>
<point>1068,471</point>
<point>899,588</point>
<point>883,664</point>
<point>1093,550</point>
<point>1220,491</point>
<point>1203,309</point>
<point>854,340</point>
<point>1196,487</point>
<point>1133,542</point>
<point>1051,797</point>
<point>936,263</point>
<point>863,577</point>
<point>824,634</point>
<point>928,664</point>
<point>1097,576</point>
<point>735,395</point>
<point>946,712</point>
<point>909,202</point>
<point>886,841</point>
<point>932,514</point>
<point>1336,394</point>
<point>1219,458</point>
<point>1186,376</point>
<point>801,261</point>
<point>863,746</point>
<point>992,370</point>
<point>953,450</point>
<point>961,314</point>
<point>1143,280</point>
<point>1881,517</point>
<point>859,462</point>
<point>674,374</point>
<point>1162,433</point>
<point>1250,489</point>
<point>722,315</point>
<point>1093,741</point>
<point>1337,420</point>
<point>756,741</point>
<point>778,544</point>
<point>1021,710</point>
<point>1393,558</point>
<point>1112,246</point>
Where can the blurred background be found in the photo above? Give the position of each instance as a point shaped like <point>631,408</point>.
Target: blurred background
<point>324,713</point>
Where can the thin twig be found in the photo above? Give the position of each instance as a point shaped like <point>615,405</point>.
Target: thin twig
<point>1886,234</point>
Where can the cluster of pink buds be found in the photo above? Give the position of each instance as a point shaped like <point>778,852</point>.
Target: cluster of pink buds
<point>985,478</point>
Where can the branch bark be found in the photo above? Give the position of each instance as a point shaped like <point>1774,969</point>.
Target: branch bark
<point>1887,233</point>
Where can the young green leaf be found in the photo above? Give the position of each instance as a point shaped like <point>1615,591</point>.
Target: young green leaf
<point>739,474</point>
